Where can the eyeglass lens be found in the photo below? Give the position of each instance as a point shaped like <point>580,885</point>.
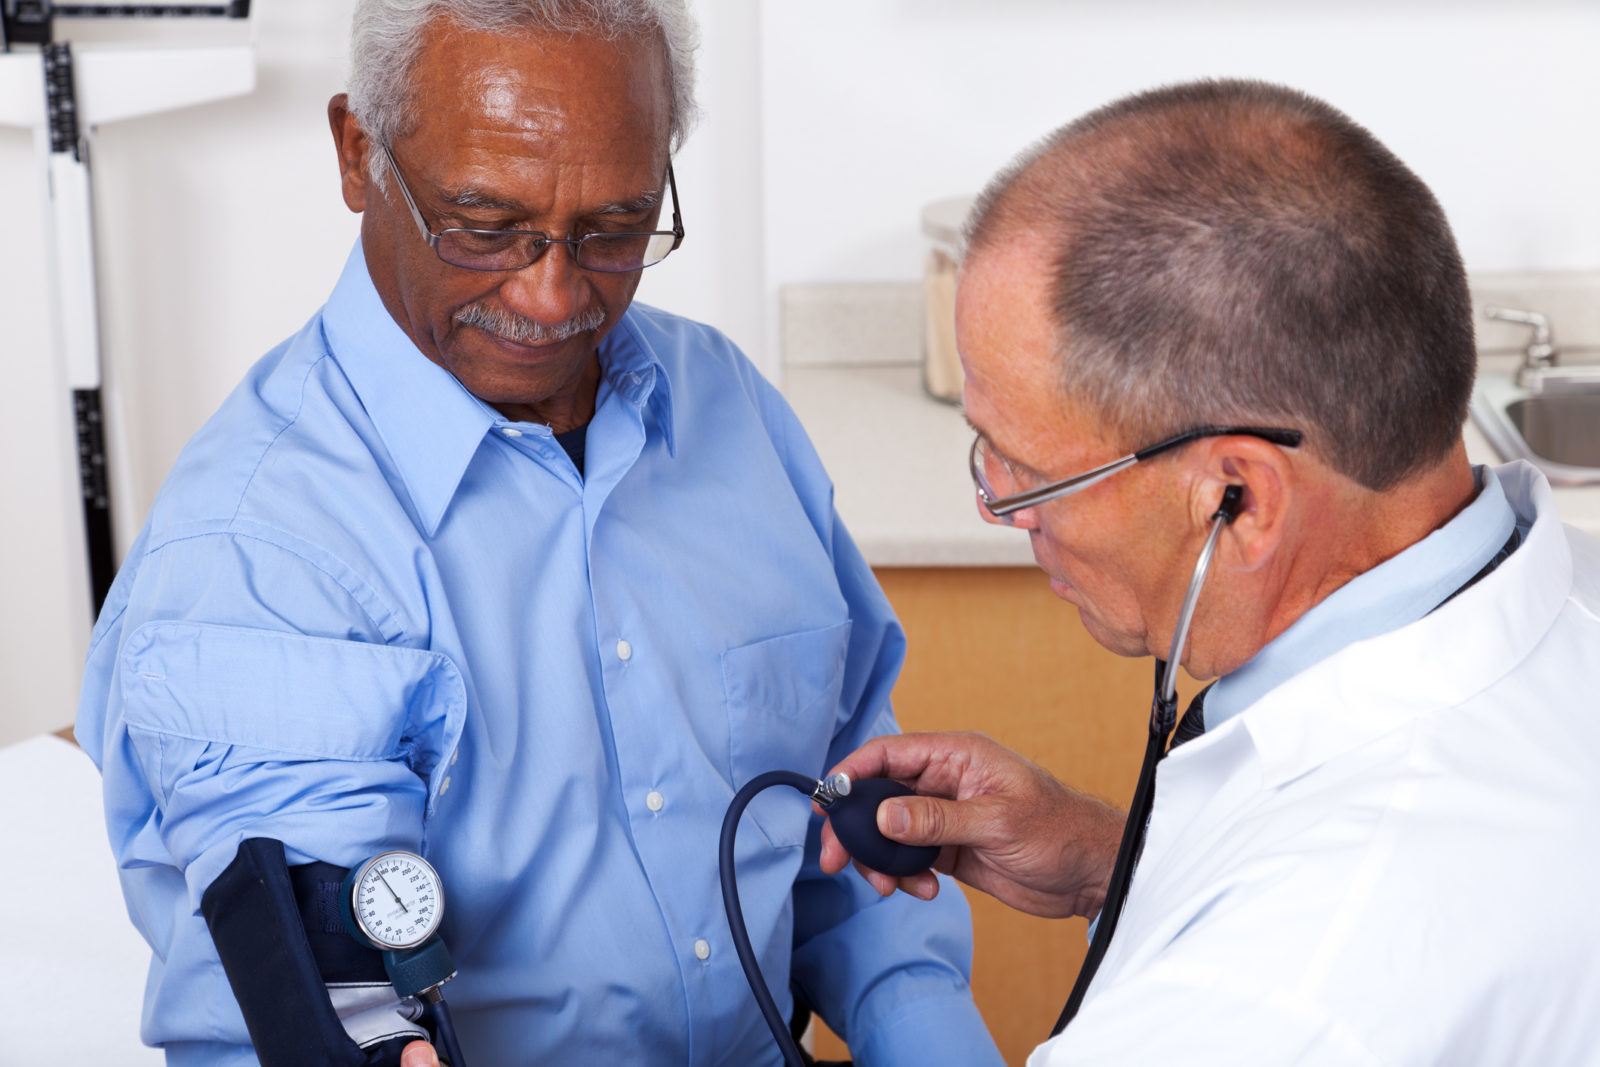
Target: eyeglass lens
<point>493,250</point>
<point>995,476</point>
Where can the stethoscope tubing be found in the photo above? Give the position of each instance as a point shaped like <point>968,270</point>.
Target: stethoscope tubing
<point>1227,511</point>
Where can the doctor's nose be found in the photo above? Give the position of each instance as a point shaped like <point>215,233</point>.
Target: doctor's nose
<point>1021,519</point>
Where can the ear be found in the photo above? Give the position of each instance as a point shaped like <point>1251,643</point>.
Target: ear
<point>1266,474</point>
<point>350,141</point>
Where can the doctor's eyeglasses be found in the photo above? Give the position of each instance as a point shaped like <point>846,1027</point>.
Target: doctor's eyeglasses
<point>492,250</point>
<point>1006,489</point>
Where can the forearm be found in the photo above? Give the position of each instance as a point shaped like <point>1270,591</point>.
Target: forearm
<point>893,977</point>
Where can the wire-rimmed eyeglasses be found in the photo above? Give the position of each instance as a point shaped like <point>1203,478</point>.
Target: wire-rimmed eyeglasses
<point>1004,491</point>
<point>492,250</point>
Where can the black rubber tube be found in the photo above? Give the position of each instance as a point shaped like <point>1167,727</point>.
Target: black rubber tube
<point>730,903</point>
<point>445,1030</point>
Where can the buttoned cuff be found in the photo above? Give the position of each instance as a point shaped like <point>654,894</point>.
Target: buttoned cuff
<point>937,1029</point>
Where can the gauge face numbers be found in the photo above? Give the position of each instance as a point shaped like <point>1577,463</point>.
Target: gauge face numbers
<point>397,900</point>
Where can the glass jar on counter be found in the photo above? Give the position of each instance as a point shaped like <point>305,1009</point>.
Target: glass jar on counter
<point>941,366</point>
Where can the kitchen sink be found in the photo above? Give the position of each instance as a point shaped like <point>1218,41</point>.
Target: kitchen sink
<point>1555,425</point>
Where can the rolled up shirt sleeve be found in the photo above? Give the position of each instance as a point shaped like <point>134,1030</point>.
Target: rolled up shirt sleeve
<point>330,746</point>
<point>276,717</point>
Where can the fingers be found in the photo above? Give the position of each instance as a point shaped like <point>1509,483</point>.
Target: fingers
<point>932,763</point>
<point>871,760</point>
<point>934,821</point>
<point>419,1054</point>
<point>924,885</point>
<point>833,857</point>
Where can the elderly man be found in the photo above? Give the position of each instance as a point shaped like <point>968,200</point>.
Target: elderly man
<point>1376,842</point>
<point>490,564</point>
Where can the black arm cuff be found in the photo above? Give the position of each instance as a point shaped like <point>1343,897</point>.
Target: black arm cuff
<point>278,932</point>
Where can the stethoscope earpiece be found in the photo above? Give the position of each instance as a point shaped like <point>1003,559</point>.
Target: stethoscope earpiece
<point>1232,503</point>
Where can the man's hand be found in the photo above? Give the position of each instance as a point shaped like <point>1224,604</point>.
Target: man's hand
<point>1006,825</point>
<point>419,1054</point>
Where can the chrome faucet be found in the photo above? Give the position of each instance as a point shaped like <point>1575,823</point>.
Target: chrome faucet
<point>1540,355</point>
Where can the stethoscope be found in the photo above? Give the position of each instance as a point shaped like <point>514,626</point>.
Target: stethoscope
<point>852,807</point>
<point>1165,704</point>
<point>1163,717</point>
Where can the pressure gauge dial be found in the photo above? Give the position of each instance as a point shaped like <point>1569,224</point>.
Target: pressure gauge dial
<point>394,900</point>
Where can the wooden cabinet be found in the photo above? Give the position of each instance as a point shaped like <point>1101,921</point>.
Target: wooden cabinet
<point>992,649</point>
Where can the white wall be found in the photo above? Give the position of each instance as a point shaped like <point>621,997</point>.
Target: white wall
<point>874,107</point>
<point>220,230</point>
<point>828,124</point>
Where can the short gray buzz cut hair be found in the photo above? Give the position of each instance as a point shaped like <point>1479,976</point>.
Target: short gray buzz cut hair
<point>387,34</point>
<point>1237,252</point>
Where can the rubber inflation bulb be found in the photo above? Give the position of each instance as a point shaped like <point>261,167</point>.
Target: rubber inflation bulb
<point>855,824</point>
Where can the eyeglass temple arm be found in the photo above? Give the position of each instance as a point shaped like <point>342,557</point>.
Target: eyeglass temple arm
<point>1286,438</point>
<point>1007,505</point>
<point>416,213</point>
<point>677,219</point>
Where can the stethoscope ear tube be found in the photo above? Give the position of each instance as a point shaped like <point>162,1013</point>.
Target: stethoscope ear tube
<point>1163,716</point>
<point>1166,708</point>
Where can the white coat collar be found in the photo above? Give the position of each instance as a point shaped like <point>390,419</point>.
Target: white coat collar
<point>1374,686</point>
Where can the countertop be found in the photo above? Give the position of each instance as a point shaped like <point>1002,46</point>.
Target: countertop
<point>898,459</point>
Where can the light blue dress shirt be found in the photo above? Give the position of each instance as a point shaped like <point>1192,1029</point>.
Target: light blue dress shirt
<point>368,612</point>
<point>1395,593</point>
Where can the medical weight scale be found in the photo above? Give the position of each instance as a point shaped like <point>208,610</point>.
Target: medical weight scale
<point>63,95</point>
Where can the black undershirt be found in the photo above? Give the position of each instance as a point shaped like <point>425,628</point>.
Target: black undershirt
<point>572,441</point>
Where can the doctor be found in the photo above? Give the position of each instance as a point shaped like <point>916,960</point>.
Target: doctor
<point>1377,842</point>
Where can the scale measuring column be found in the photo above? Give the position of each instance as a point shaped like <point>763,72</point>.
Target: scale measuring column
<point>63,93</point>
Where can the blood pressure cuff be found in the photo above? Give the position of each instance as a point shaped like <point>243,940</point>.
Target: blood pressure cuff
<point>310,994</point>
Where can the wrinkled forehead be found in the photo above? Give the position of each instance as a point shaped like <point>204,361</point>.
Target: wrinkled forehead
<point>581,99</point>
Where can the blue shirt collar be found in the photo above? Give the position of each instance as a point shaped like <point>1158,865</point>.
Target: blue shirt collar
<point>1393,594</point>
<point>429,422</point>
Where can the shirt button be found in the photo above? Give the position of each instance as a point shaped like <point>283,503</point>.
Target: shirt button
<point>511,431</point>
<point>624,651</point>
<point>654,801</point>
<point>444,786</point>
<point>702,949</point>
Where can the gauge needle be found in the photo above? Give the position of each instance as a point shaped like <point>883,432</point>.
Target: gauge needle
<point>385,880</point>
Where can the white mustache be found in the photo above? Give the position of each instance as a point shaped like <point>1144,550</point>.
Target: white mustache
<point>527,331</point>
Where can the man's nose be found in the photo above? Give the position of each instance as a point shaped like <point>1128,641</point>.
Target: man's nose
<point>550,290</point>
<point>1024,519</point>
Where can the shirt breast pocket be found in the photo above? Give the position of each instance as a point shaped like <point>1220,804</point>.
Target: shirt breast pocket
<point>782,696</point>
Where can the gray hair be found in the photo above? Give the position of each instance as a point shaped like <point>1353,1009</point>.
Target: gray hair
<point>387,35</point>
<point>1237,252</point>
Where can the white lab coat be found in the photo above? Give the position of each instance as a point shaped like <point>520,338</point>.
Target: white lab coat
<point>1392,858</point>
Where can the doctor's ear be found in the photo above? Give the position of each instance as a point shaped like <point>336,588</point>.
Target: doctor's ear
<point>1264,480</point>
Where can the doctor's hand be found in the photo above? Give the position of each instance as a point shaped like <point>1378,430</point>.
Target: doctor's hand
<point>1007,826</point>
<point>419,1054</point>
